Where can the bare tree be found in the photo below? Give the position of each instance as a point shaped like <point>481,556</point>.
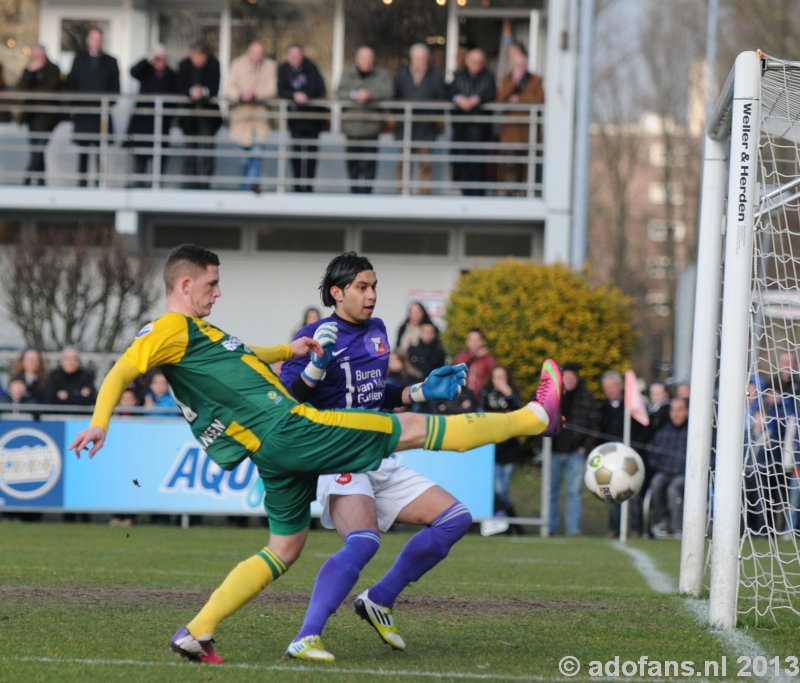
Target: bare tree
<point>80,288</point>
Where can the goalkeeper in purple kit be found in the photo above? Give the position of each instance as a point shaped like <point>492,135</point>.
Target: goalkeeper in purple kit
<point>352,374</point>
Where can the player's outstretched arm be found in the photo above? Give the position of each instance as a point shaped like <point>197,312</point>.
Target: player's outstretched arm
<point>116,381</point>
<point>443,384</point>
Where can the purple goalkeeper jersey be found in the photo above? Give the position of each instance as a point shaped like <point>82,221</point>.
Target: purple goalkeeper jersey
<point>356,374</point>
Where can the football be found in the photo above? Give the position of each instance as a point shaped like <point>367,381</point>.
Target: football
<point>614,472</point>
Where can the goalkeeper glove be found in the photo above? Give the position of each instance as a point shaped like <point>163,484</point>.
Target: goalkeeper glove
<point>443,384</point>
<point>326,335</point>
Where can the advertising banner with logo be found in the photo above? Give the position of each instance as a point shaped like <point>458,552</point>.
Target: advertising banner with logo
<point>155,465</point>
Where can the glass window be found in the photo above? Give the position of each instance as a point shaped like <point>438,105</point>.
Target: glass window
<point>9,231</point>
<point>166,236</point>
<point>94,230</point>
<point>19,29</point>
<point>391,29</point>
<point>179,28</point>
<point>430,243</point>
<point>498,244</point>
<point>300,239</point>
<point>279,23</point>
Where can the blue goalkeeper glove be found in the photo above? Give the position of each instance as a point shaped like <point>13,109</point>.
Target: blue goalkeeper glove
<point>326,335</point>
<point>443,384</point>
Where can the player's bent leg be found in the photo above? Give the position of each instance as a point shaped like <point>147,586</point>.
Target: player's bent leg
<point>465,432</point>
<point>355,519</point>
<point>449,520</point>
<point>243,584</point>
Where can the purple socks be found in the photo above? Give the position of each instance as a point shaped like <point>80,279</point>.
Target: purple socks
<point>337,578</point>
<point>422,553</point>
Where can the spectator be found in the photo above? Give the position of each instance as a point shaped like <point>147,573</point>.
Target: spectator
<point>400,370</point>
<point>17,393</point>
<point>683,389</point>
<point>777,458</point>
<point>471,87</point>
<point>159,396</point>
<point>129,399</point>
<point>299,80</point>
<point>668,460</point>
<point>465,402</point>
<point>659,406</point>
<point>33,369</point>
<point>428,354</point>
<point>198,79</point>
<point>408,334</point>
<point>310,315</point>
<point>570,448</point>
<point>40,76</point>
<point>252,80</point>
<point>70,384</point>
<point>755,387</point>
<point>500,394</point>
<point>755,445</point>
<point>519,86</point>
<point>155,78</point>
<point>93,71</point>
<point>362,84</point>
<point>419,82</point>
<point>477,358</point>
<point>612,424</point>
<point>786,381</point>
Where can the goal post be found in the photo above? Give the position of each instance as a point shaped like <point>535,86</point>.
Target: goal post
<point>752,160</point>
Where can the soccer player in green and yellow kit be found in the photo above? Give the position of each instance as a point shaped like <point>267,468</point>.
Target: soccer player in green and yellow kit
<point>237,408</point>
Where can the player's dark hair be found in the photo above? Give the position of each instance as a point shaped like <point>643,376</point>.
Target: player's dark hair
<point>187,257</point>
<point>341,272</point>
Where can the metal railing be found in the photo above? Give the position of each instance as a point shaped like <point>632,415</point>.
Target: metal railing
<point>479,165</point>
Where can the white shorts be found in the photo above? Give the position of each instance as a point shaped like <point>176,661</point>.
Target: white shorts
<point>393,486</point>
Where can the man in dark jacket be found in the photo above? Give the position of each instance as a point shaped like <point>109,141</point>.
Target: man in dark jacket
<point>198,78</point>
<point>155,78</point>
<point>472,87</point>
<point>668,460</point>
<point>93,71</point>
<point>41,76</point>
<point>428,355</point>
<point>70,384</point>
<point>419,82</point>
<point>612,426</point>
<point>299,80</point>
<point>570,447</point>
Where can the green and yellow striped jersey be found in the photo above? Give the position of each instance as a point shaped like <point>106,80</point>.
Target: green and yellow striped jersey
<point>230,398</point>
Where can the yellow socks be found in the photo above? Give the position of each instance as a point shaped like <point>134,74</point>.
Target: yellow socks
<point>246,581</point>
<point>471,430</point>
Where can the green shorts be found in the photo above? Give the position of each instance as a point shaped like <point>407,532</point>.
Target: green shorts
<point>310,442</point>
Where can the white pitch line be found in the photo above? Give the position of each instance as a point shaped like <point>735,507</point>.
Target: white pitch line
<point>322,670</point>
<point>735,640</point>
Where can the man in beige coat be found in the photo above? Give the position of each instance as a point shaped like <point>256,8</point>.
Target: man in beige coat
<point>253,78</point>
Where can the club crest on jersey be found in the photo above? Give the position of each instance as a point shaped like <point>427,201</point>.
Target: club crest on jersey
<point>345,478</point>
<point>145,330</point>
<point>232,343</point>
<point>380,347</point>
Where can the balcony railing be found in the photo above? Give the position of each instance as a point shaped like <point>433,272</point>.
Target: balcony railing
<point>448,166</point>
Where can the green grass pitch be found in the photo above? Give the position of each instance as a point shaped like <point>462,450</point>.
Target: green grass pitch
<point>94,603</point>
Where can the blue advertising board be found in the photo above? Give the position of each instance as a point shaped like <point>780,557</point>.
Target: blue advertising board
<point>155,465</point>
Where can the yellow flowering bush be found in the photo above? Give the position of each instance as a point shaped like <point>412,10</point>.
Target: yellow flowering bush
<point>532,312</point>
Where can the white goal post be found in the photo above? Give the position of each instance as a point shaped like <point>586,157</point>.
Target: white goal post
<point>752,159</point>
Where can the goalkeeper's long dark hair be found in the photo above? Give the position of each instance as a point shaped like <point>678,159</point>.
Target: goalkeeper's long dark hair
<point>340,273</point>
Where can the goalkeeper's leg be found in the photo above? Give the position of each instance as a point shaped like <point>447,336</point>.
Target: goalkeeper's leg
<point>464,432</point>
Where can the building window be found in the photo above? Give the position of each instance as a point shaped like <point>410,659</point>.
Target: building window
<point>498,244</point>
<point>93,231</point>
<point>657,230</point>
<point>166,236</point>
<point>390,29</point>
<point>9,231</point>
<point>300,239</point>
<point>417,243</point>
<point>179,28</point>
<point>657,194</point>
<point>658,267</point>
<point>677,155</point>
<point>279,24</point>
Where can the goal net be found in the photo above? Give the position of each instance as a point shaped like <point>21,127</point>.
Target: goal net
<point>746,368</point>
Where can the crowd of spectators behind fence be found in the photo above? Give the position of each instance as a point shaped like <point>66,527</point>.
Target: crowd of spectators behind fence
<point>253,79</point>
<point>772,439</point>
